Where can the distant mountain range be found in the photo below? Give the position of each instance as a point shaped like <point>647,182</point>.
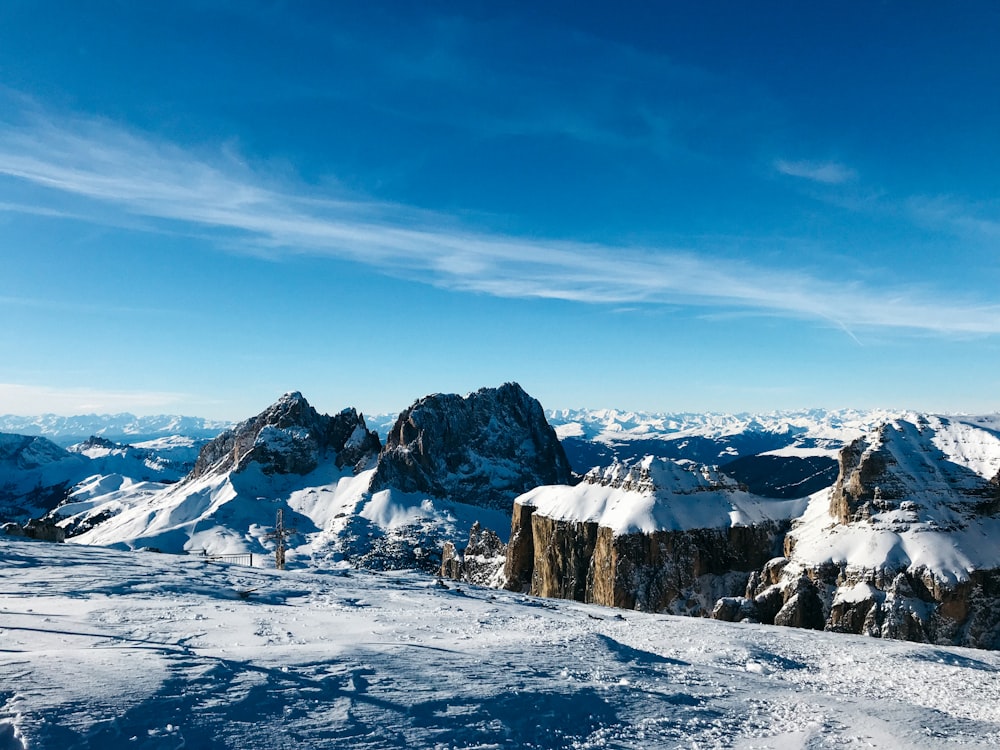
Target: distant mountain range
<point>122,428</point>
<point>870,522</point>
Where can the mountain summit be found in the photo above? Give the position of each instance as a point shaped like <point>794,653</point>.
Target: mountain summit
<point>289,437</point>
<point>482,449</point>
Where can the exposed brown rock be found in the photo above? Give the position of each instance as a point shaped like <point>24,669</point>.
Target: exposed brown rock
<point>520,550</point>
<point>682,571</point>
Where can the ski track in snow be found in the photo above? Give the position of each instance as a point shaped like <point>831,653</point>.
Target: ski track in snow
<point>101,648</point>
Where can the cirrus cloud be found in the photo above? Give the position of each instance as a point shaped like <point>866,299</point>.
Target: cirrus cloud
<point>107,165</point>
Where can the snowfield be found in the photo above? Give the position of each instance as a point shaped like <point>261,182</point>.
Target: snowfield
<point>655,494</point>
<point>103,649</point>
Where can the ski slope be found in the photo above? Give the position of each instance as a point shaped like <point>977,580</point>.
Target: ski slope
<point>103,648</point>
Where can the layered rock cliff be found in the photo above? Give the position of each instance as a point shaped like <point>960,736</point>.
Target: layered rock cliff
<point>903,545</point>
<point>654,535</point>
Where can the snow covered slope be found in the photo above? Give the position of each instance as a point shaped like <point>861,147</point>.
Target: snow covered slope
<point>282,459</point>
<point>655,494</point>
<point>103,649</point>
<point>904,545</point>
<point>162,460</point>
<point>35,475</point>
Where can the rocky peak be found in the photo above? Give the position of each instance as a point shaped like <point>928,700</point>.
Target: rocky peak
<point>96,441</point>
<point>483,449</point>
<point>650,474</point>
<point>917,464</point>
<point>908,553</point>
<point>289,437</point>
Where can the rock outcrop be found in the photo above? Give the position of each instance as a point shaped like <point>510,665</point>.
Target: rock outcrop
<point>36,529</point>
<point>654,535</point>
<point>481,562</point>
<point>900,547</point>
<point>289,437</point>
<point>483,449</point>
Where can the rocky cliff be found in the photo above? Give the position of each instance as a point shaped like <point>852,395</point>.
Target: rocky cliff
<point>903,545</point>
<point>654,535</point>
<point>289,437</point>
<point>482,449</point>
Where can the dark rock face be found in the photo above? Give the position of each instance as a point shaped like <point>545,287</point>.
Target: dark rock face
<point>289,437</point>
<point>860,471</point>
<point>563,559</point>
<point>36,529</point>
<point>480,562</point>
<point>484,449</point>
<point>803,607</point>
<point>520,550</point>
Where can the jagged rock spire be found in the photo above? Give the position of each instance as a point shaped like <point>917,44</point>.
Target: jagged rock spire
<point>289,437</point>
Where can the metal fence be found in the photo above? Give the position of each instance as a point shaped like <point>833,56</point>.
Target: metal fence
<point>245,558</point>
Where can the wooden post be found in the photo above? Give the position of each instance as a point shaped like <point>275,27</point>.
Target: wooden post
<point>280,536</point>
<point>279,548</point>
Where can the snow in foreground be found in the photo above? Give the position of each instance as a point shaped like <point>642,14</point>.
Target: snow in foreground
<point>101,648</point>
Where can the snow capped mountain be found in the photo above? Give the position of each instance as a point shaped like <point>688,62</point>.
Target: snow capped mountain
<point>289,437</point>
<point>903,545</point>
<point>149,464</point>
<point>450,461</point>
<point>35,475</point>
<point>228,503</point>
<point>117,427</point>
<point>612,426</point>
<point>781,454</point>
<point>482,449</point>
<point>892,538</point>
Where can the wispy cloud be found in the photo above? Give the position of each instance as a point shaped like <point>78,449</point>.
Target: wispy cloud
<point>101,162</point>
<point>828,173</point>
<point>32,399</point>
<point>975,222</point>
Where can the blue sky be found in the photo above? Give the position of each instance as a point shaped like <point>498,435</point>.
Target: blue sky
<point>728,207</point>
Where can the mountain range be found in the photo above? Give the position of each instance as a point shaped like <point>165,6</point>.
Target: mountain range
<point>879,523</point>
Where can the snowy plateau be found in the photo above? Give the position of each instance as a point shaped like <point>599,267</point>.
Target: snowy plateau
<point>560,546</point>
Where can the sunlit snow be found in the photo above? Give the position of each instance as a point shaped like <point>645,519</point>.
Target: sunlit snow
<point>102,648</point>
